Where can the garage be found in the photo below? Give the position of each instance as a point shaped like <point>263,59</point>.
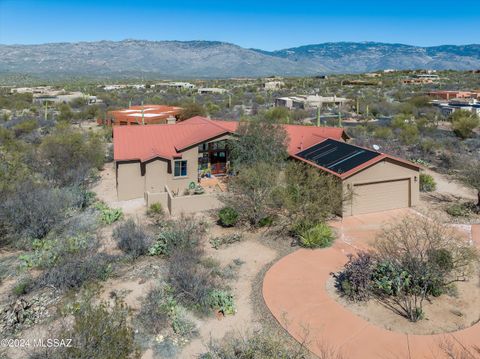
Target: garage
<point>374,181</point>
<point>380,196</point>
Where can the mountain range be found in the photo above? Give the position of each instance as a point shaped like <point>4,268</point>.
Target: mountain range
<point>213,59</point>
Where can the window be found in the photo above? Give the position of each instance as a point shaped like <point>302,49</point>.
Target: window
<point>180,169</point>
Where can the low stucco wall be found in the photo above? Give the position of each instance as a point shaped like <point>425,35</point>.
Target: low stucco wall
<point>157,197</point>
<point>183,204</point>
<point>194,203</point>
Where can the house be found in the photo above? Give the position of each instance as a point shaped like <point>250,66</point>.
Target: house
<point>211,90</point>
<point>144,114</point>
<point>309,102</point>
<point>273,85</point>
<point>155,161</point>
<point>466,104</point>
<point>448,95</point>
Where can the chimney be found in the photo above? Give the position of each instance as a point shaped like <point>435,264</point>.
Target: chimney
<point>171,120</point>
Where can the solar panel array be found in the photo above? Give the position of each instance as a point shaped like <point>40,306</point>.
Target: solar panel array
<point>339,157</point>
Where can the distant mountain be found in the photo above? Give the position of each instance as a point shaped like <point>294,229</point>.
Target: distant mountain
<point>185,59</point>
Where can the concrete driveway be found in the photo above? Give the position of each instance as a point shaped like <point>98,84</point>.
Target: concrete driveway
<point>294,290</point>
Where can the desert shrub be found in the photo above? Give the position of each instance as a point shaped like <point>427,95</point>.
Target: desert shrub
<point>181,324</point>
<point>108,215</point>
<point>154,315</point>
<point>160,311</point>
<point>459,210</point>
<point>261,345</point>
<point>155,210</point>
<point>427,183</point>
<point>222,301</point>
<point>32,210</point>
<point>228,217</point>
<point>464,123</point>
<point>76,271</point>
<point>317,236</point>
<point>266,221</point>
<point>414,259</point>
<point>23,285</point>
<point>181,233</point>
<point>132,239</point>
<point>67,155</point>
<point>225,240</point>
<point>190,280</point>
<point>76,236</point>
<point>354,280</point>
<point>409,134</point>
<point>101,331</point>
<point>414,253</point>
<point>383,133</point>
<point>25,127</point>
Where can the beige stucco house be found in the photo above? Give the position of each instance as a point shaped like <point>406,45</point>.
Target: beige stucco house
<point>159,162</point>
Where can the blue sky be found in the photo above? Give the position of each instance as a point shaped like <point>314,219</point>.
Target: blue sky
<point>268,25</point>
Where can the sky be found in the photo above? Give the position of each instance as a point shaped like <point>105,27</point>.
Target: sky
<point>263,24</point>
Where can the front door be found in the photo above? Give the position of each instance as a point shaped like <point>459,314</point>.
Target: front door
<point>218,161</point>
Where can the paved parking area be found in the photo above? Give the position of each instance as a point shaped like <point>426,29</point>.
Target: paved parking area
<point>294,291</point>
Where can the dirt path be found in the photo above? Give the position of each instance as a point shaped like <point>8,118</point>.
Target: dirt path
<point>448,187</point>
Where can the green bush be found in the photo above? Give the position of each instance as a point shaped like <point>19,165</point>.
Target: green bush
<point>463,126</point>
<point>459,210</point>
<point>222,301</point>
<point>217,242</point>
<point>427,183</point>
<point>108,215</point>
<point>228,217</point>
<point>182,233</point>
<point>155,209</point>
<point>318,236</point>
<point>23,286</point>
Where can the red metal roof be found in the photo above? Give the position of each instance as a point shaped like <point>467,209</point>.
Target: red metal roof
<point>169,140</point>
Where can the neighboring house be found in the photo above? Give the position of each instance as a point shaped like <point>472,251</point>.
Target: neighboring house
<point>211,90</point>
<point>151,159</point>
<point>466,104</point>
<point>273,85</point>
<point>309,102</point>
<point>138,115</point>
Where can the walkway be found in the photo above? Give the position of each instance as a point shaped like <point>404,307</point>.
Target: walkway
<point>294,290</point>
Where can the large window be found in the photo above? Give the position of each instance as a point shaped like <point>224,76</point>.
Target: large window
<point>180,169</point>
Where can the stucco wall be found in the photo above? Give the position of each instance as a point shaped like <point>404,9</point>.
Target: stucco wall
<point>385,170</point>
<point>130,182</point>
<point>157,197</point>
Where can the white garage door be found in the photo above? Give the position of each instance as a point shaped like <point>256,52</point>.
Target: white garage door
<point>380,196</point>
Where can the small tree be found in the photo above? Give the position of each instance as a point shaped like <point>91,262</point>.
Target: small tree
<point>251,192</point>
<point>192,109</point>
<point>310,195</point>
<point>259,141</point>
<point>68,154</point>
<point>470,175</point>
<point>464,122</point>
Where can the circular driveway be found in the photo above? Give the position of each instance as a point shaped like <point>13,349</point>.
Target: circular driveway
<point>294,290</point>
